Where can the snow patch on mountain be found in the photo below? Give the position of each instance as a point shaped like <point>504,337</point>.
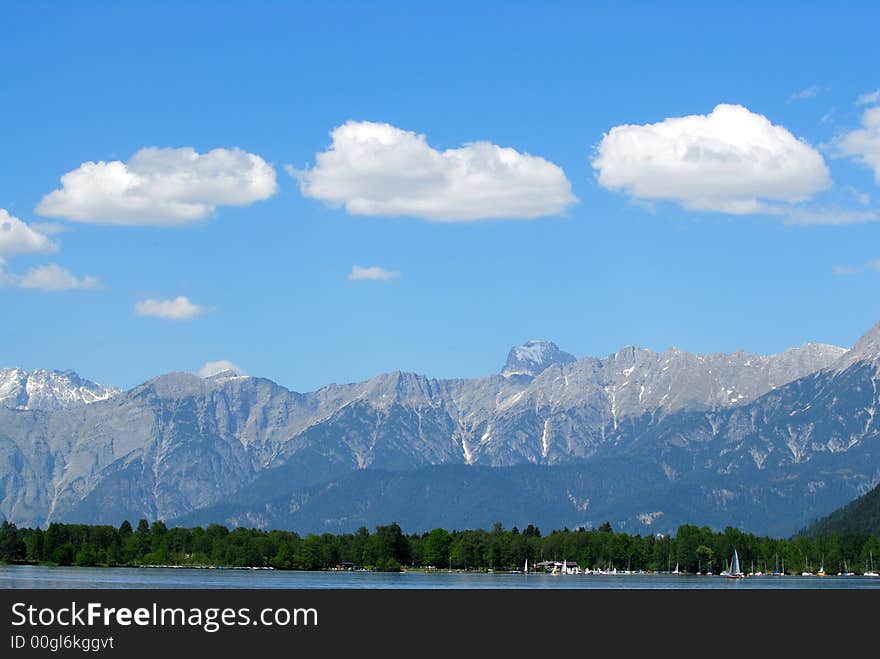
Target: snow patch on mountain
<point>49,390</point>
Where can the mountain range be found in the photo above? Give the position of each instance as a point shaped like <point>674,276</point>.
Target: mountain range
<point>643,439</point>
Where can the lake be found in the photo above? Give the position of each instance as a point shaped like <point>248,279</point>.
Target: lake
<point>26,576</point>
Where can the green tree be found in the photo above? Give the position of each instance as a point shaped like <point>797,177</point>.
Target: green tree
<point>436,548</point>
<point>65,554</point>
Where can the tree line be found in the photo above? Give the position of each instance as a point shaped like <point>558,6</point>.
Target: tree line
<point>387,548</point>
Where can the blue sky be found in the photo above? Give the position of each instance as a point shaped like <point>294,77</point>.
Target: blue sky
<point>266,272</point>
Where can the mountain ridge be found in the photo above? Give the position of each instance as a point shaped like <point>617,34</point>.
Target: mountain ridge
<point>180,443</point>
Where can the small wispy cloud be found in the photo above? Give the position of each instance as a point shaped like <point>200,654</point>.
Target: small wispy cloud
<point>869,98</point>
<point>830,216</point>
<point>809,92</point>
<point>52,277</point>
<point>179,308</point>
<point>847,270</point>
<point>862,197</point>
<point>49,278</point>
<point>372,273</point>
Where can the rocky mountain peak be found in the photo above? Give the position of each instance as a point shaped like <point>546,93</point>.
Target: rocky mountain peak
<point>533,357</point>
<point>49,390</point>
<point>867,348</point>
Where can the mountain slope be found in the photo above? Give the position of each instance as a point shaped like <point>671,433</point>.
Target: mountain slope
<point>861,516</point>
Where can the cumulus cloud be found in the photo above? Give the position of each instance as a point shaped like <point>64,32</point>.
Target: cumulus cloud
<point>869,98</point>
<point>180,308</point>
<point>731,161</point>
<point>213,368</point>
<point>378,169</point>
<point>372,273</point>
<point>17,238</point>
<point>863,144</point>
<point>160,187</point>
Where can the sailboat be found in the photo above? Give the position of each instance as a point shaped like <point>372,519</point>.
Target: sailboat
<point>778,573</point>
<point>676,571</point>
<point>872,572</point>
<point>734,572</point>
<point>821,572</point>
<point>806,572</point>
<point>527,566</point>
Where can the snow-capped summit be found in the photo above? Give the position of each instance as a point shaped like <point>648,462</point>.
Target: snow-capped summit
<point>225,374</point>
<point>533,357</point>
<point>49,390</point>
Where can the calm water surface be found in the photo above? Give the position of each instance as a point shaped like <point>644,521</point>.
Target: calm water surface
<point>24,576</point>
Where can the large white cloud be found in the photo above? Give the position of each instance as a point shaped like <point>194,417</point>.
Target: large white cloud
<point>179,308</point>
<point>731,161</point>
<point>378,169</point>
<point>864,143</point>
<point>17,238</point>
<point>160,187</point>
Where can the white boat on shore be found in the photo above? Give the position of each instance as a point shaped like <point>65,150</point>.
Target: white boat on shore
<point>734,571</point>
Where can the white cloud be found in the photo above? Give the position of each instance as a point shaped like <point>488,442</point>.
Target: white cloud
<point>18,238</point>
<point>873,265</point>
<point>180,308</point>
<point>869,98</point>
<point>863,144</point>
<point>160,187</point>
<point>373,273</point>
<point>809,92</point>
<point>731,161</point>
<point>52,277</point>
<point>378,169</point>
<point>213,368</point>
